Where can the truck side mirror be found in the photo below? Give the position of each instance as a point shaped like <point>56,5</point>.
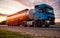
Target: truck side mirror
<point>36,6</point>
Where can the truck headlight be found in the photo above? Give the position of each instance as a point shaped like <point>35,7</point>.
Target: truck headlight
<point>48,21</point>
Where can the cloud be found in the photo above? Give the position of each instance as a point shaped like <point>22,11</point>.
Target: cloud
<point>54,3</point>
<point>12,6</point>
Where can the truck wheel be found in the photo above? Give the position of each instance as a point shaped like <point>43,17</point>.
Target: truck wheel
<point>18,25</point>
<point>39,23</point>
<point>31,25</point>
<point>25,25</point>
<point>46,25</point>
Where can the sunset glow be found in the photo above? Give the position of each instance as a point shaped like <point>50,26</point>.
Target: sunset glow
<point>2,18</point>
<point>10,7</point>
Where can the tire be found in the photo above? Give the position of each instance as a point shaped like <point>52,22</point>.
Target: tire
<point>31,25</point>
<point>52,21</point>
<point>46,25</point>
<point>18,25</point>
<point>38,23</point>
<point>24,24</point>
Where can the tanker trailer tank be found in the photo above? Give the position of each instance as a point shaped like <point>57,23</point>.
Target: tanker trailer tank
<point>17,18</point>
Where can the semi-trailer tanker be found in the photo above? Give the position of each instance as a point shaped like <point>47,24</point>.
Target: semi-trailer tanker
<point>42,14</point>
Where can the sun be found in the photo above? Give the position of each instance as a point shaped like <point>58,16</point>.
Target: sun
<point>2,18</point>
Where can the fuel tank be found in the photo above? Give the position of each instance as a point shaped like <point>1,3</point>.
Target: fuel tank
<point>17,18</point>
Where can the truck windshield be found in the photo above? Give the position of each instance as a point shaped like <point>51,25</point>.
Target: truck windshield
<point>50,11</point>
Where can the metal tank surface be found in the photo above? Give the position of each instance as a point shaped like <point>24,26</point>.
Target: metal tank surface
<point>17,18</point>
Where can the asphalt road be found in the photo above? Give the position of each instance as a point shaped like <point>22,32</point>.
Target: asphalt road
<point>35,31</point>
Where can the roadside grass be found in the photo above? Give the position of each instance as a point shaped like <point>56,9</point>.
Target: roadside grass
<point>10,34</point>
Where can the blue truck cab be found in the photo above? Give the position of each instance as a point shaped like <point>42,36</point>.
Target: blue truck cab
<point>42,14</point>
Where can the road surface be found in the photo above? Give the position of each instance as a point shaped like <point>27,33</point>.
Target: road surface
<point>53,31</point>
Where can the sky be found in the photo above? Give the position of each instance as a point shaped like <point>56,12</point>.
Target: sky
<point>54,3</point>
<point>12,6</point>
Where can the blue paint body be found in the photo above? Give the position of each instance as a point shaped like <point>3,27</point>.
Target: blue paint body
<point>47,11</point>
